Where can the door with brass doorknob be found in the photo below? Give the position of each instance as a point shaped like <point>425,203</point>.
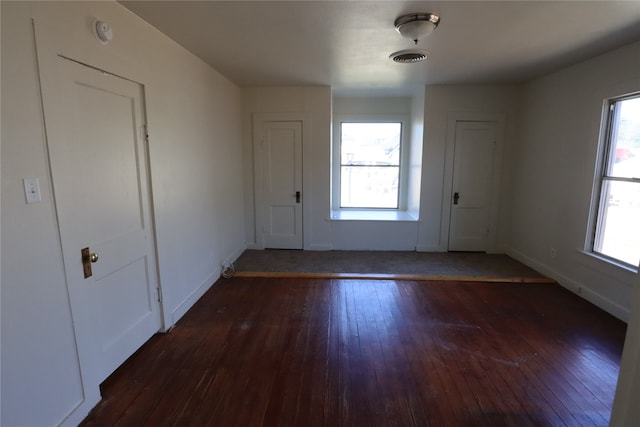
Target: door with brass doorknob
<point>87,259</point>
<point>98,148</point>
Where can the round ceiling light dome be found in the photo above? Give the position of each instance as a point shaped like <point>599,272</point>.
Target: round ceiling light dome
<point>416,26</point>
<point>409,56</point>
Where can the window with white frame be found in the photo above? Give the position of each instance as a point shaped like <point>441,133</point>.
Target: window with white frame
<point>616,232</point>
<point>370,158</point>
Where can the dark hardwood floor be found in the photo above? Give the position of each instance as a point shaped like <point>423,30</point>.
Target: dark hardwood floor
<point>318,352</point>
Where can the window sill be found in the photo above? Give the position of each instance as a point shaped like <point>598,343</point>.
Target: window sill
<point>373,215</point>
<point>607,265</point>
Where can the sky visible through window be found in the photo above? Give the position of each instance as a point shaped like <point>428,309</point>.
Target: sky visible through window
<point>370,165</point>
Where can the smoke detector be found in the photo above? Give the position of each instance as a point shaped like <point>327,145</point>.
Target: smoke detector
<point>409,56</point>
<point>102,31</point>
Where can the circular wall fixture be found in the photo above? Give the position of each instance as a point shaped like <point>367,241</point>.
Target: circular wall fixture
<point>409,56</point>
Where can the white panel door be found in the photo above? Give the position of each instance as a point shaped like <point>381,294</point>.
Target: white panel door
<point>282,184</point>
<point>471,189</point>
<point>95,126</point>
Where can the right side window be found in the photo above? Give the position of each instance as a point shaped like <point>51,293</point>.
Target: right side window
<point>617,225</point>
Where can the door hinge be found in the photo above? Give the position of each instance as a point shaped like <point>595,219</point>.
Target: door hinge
<point>159,294</point>
<point>145,133</point>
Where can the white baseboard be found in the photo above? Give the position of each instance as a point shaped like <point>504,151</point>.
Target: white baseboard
<point>193,297</point>
<point>500,248</point>
<point>580,289</point>
<point>80,412</point>
<point>606,304</point>
<point>306,248</point>
<point>319,248</point>
<point>429,248</point>
<point>204,287</point>
<point>234,255</point>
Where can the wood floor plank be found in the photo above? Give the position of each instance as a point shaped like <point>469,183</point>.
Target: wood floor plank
<point>335,352</point>
<point>383,276</point>
<point>512,351</point>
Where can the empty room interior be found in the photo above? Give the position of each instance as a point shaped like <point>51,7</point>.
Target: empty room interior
<point>505,130</point>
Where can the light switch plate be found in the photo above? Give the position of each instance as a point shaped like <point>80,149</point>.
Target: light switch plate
<point>32,190</point>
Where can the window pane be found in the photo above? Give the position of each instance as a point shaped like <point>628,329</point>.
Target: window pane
<point>369,187</point>
<point>618,229</point>
<point>624,158</point>
<point>370,144</point>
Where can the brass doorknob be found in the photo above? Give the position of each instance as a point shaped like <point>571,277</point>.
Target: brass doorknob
<point>94,257</point>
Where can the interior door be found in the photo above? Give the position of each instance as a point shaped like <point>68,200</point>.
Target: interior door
<point>98,149</point>
<point>471,189</point>
<point>282,184</point>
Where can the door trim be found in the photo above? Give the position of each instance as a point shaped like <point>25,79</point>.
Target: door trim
<point>445,220</point>
<point>49,77</point>
<point>51,44</point>
<point>258,171</point>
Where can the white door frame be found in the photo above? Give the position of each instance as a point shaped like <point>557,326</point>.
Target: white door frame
<point>52,43</point>
<point>445,222</point>
<point>258,171</point>
<point>70,254</point>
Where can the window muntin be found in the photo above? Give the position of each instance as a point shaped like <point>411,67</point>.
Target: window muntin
<point>370,154</point>
<point>617,228</point>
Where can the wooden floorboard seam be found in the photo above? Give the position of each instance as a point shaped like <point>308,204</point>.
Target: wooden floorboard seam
<point>377,276</point>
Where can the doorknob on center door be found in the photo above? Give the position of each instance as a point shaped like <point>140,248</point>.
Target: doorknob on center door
<point>87,258</point>
<point>297,197</point>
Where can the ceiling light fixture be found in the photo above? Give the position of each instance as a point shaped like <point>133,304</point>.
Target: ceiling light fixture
<point>416,26</point>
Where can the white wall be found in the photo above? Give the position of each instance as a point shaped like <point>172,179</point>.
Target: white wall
<point>39,360</point>
<point>194,116</point>
<point>441,104</point>
<point>555,170</point>
<point>314,102</point>
<point>415,156</point>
